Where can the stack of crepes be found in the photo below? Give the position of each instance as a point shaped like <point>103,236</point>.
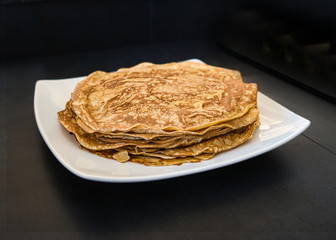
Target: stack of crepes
<point>162,114</point>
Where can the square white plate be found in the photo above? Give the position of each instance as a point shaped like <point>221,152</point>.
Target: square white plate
<point>278,126</point>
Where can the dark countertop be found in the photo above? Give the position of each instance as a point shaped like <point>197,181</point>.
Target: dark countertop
<point>289,192</point>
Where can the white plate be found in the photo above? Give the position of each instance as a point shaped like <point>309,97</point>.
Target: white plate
<point>278,126</point>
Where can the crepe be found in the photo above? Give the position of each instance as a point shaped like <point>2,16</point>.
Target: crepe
<point>94,142</point>
<point>160,99</point>
<point>194,153</point>
<point>162,114</point>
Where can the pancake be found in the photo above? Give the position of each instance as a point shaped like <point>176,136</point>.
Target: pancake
<point>162,114</point>
<point>94,142</point>
<point>194,153</point>
<point>155,100</point>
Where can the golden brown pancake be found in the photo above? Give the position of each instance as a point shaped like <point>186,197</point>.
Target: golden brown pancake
<point>193,153</point>
<point>159,99</point>
<point>162,114</point>
<point>94,142</point>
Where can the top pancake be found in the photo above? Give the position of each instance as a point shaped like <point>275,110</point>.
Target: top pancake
<point>185,96</point>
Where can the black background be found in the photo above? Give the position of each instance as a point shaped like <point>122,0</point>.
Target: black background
<point>47,27</point>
